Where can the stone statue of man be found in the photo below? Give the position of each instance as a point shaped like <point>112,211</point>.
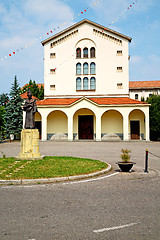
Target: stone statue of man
<point>30,108</point>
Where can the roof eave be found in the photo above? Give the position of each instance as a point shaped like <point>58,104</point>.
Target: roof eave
<point>81,22</point>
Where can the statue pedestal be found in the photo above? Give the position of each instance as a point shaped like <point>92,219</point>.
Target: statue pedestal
<point>30,144</point>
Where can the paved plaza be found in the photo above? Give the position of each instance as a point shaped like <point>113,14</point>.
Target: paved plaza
<point>106,151</point>
<point>116,206</point>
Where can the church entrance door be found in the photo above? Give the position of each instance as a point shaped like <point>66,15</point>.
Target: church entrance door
<point>135,130</point>
<point>85,126</point>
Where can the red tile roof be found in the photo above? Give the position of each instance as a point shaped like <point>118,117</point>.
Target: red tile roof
<point>115,101</point>
<point>57,101</point>
<point>144,84</point>
<point>99,101</point>
<point>24,96</point>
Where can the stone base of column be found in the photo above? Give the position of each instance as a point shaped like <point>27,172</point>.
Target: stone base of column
<point>29,144</point>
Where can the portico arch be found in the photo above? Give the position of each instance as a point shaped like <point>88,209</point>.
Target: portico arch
<point>57,125</point>
<point>112,124</point>
<point>38,123</point>
<point>137,124</point>
<point>84,124</point>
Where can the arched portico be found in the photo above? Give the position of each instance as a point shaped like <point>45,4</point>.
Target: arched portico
<point>112,124</point>
<point>38,123</point>
<point>104,119</point>
<point>137,129</point>
<point>57,125</point>
<point>84,124</point>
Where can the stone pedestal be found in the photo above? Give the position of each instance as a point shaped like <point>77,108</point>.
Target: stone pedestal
<point>30,144</point>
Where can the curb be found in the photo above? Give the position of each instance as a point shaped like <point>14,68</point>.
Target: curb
<point>54,180</point>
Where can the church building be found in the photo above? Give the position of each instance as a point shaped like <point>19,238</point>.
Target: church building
<point>86,87</point>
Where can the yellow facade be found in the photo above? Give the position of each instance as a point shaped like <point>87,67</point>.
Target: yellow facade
<point>57,122</point>
<point>112,122</point>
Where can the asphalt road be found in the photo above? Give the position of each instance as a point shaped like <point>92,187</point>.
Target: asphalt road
<point>115,206</point>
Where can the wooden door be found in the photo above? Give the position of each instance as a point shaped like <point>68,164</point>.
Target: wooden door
<point>135,130</point>
<point>85,127</point>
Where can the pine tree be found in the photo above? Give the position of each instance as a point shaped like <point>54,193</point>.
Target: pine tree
<point>41,93</point>
<point>3,99</point>
<point>14,113</point>
<point>2,112</point>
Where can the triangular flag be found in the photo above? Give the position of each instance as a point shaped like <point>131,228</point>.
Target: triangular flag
<point>82,12</point>
<point>51,31</point>
<point>13,52</point>
<point>47,33</point>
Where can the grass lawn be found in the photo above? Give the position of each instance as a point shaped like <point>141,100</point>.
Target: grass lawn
<point>48,167</point>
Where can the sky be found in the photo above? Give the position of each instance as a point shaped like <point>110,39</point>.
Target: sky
<point>25,23</point>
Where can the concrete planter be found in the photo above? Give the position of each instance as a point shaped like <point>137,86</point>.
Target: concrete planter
<point>125,166</point>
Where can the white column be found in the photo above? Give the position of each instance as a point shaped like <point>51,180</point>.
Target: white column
<point>44,128</point>
<point>70,128</point>
<point>147,126</point>
<point>125,127</point>
<point>98,127</point>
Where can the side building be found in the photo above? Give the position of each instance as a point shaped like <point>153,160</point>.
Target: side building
<point>143,89</point>
<point>86,87</point>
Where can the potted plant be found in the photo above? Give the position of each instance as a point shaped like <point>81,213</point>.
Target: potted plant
<point>125,165</point>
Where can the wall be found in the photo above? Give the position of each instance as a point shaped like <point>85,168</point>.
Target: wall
<point>57,122</point>
<point>112,122</point>
<point>144,93</point>
<point>106,61</point>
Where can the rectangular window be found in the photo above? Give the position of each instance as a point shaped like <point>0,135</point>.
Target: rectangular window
<point>119,69</point>
<point>52,55</point>
<point>52,87</point>
<point>52,71</point>
<point>119,52</point>
<point>119,85</point>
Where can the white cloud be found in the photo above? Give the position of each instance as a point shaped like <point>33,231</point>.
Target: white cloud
<point>46,11</point>
<point>136,59</point>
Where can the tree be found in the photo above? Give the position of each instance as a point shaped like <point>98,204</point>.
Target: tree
<point>3,99</point>
<point>37,91</point>
<point>2,123</point>
<point>13,112</point>
<point>154,115</point>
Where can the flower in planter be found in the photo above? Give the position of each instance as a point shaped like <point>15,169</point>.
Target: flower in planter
<point>125,156</point>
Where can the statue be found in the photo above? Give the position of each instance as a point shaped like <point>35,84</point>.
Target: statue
<point>30,108</point>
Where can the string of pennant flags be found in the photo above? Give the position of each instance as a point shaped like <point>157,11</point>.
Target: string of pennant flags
<point>63,24</point>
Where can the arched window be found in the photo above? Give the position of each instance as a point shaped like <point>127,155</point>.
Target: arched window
<point>78,83</point>
<point>78,68</point>
<point>93,83</point>
<point>93,68</point>
<point>136,96</point>
<point>85,52</point>
<point>92,52</point>
<point>78,53</point>
<point>150,95</point>
<point>85,68</point>
<point>85,83</point>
